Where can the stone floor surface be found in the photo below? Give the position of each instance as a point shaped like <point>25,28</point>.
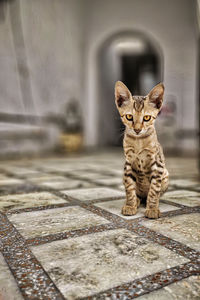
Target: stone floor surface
<point>62,234</point>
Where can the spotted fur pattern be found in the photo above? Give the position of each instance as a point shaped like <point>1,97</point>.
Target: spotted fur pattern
<point>145,174</point>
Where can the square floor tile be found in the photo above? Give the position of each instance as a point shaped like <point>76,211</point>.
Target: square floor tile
<point>67,184</point>
<point>21,171</point>
<point>197,188</point>
<point>92,263</point>
<point>63,167</point>
<point>170,188</point>
<point>35,174</point>
<point>184,228</point>
<point>19,201</point>
<point>9,181</point>
<point>118,173</point>
<point>182,167</point>
<point>94,193</point>
<point>50,221</point>
<point>109,181</point>
<point>8,286</point>
<point>184,183</point>
<point>4,177</point>
<point>115,207</point>
<point>185,197</point>
<point>187,289</point>
<point>101,169</point>
<point>88,175</point>
<point>121,187</point>
<point>46,177</point>
<point>60,182</point>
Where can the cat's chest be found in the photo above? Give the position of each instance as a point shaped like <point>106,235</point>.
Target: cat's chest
<point>140,160</point>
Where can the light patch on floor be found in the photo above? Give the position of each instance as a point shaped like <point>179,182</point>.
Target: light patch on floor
<point>86,265</point>
<point>109,181</point>
<point>115,207</point>
<point>41,223</point>
<point>67,184</point>
<point>183,228</point>
<point>94,193</point>
<point>19,201</point>
<point>186,289</point>
<point>185,197</point>
<point>184,182</point>
<point>10,181</point>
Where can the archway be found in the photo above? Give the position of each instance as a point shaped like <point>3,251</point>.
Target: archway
<point>133,58</point>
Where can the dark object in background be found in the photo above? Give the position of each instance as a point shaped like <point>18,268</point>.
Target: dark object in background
<point>72,119</point>
<point>72,127</point>
<point>3,9</point>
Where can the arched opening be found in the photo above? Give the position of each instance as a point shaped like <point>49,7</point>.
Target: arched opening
<point>133,58</point>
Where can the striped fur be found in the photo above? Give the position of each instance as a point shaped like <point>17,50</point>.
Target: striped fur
<point>145,174</point>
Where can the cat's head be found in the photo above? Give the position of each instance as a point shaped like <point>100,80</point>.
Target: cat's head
<point>138,113</point>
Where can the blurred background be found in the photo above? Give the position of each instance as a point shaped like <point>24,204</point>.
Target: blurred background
<point>59,60</point>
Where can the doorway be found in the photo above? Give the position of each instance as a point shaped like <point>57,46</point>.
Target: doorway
<point>137,61</point>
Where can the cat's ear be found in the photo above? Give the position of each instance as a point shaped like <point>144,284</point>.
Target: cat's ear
<point>122,94</point>
<point>156,95</point>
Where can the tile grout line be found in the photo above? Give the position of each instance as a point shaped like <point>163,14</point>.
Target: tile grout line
<point>33,281</point>
<point>134,226</point>
<point>123,223</point>
<point>40,240</point>
<point>38,208</point>
<point>171,244</point>
<point>147,284</point>
<point>173,203</point>
<point>67,175</point>
<point>109,215</point>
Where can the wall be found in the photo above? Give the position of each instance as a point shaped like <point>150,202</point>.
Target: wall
<point>49,49</point>
<point>172,24</point>
<point>51,46</point>
<point>40,59</point>
<point>10,94</point>
<point>53,37</point>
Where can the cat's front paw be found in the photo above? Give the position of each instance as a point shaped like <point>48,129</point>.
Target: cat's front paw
<point>129,210</point>
<point>152,213</point>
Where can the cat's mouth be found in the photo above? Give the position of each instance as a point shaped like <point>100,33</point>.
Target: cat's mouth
<point>142,133</point>
<point>136,134</point>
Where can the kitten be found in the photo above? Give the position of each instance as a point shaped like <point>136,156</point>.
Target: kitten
<point>145,174</point>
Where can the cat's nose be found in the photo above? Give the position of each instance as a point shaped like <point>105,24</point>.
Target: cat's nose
<point>137,130</point>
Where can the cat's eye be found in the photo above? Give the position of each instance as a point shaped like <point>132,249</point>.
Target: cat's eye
<point>147,118</point>
<point>129,117</point>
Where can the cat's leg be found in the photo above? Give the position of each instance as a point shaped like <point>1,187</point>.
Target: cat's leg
<point>152,207</point>
<point>132,202</point>
<point>165,182</point>
<point>142,188</point>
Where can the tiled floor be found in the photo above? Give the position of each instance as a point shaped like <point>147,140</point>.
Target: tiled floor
<point>62,235</point>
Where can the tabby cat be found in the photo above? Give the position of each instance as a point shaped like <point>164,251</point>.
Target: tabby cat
<point>145,174</point>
